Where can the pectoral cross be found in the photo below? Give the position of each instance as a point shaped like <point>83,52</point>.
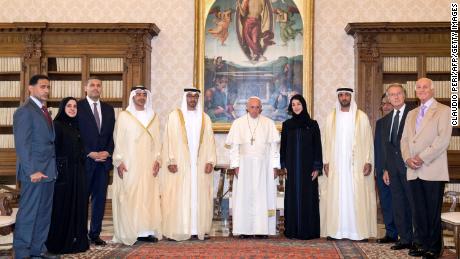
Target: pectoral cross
<point>252,140</point>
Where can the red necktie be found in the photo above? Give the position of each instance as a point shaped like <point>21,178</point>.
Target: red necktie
<point>47,115</point>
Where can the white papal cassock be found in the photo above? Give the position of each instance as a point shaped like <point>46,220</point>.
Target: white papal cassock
<point>254,191</point>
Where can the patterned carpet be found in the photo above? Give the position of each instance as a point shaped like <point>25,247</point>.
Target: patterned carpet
<point>222,246</point>
<point>377,251</point>
<point>227,247</point>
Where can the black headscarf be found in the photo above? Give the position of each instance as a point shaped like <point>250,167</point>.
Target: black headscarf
<point>302,119</point>
<point>63,117</point>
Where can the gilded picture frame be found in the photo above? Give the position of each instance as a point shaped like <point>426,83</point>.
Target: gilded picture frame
<point>220,25</point>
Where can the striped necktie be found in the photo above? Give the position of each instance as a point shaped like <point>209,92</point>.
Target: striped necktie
<point>47,115</point>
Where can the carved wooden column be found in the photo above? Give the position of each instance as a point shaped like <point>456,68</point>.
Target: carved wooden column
<point>138,61</point>
<point>134,60</point>
<point>367,74</point>
<point>32,55</point>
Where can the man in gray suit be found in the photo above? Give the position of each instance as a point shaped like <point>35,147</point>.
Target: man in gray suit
<point>36,171</point>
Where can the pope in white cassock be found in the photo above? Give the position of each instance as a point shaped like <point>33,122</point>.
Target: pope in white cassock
<point>189,155</point>
<point>254,154</point>
<point>136,193</point>
<point>347,190</point>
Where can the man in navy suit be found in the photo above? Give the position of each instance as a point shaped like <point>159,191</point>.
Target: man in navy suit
<point>391,234</point>
<point>35,170</point>
<point>395,174</point>
<point>96,120</point>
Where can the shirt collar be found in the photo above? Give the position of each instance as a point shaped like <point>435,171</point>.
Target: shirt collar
<point>401,110</point>
<point>90,101</point>
<point>429,103</point>
<point>36,101</point>
<point>251,118</point>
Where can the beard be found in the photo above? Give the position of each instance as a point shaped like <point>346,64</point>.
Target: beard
<point>345,104</point>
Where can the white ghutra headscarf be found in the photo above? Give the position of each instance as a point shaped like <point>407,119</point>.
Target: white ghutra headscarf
<point>147,114</point>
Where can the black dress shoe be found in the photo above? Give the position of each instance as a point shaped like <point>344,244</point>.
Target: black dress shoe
<point>195,237</point>
<point>386,240</point>
<point>98,241</point>
<point>417,251</point>
<point>244,236</point>
<point>430,255</point>
<point>150,239</point>
<point>49,255</point>
<point>331,238</point>
<point>46,255</point>
<point>400,246</point>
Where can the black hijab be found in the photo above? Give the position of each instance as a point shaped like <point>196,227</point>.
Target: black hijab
<point>63,118</point>
<point>301,120</point>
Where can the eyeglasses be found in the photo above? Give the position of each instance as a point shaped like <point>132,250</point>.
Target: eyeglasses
<point>396,94</point>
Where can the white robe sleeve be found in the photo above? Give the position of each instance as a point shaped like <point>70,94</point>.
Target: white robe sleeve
<point>168,142</point>
<point>274,139</point>
<point>212,156</point>
<point>235,156</point>
<point>233,143</point>
<point>275,155</point>
<point>118,137</point>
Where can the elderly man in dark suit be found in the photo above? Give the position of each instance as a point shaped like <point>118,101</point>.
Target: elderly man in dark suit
<point>424,144</point>
<point>36,171</point>
<point>394,168</point>
<point>96,120</point>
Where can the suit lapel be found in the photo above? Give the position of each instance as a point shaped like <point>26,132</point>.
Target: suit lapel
<point>89,112</point>
<point>387,127</point>
<point>37,109</point>
<point>103,117</point>
<point>412,121</point>
<point>403,123</point>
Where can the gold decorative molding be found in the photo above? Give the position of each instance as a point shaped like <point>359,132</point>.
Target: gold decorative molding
<point>307,13</point>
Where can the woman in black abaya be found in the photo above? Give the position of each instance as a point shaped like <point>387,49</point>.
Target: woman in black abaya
<point>301,157</point>
<point>69,221</point>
